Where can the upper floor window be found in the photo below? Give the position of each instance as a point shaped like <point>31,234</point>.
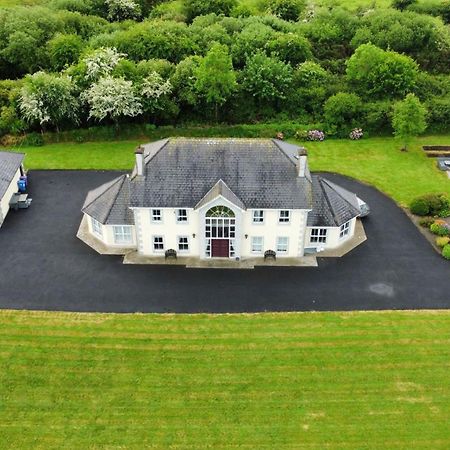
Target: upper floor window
<point>282,244</point>
<point>156,215</point>
<point>258,216</point>
<point>122,234</point>
<point>284,216</point>
<point>96,227</point>
<point>318,235</point>
<point>344,229</point>
<point>257,244</point>
<point>182,215</point>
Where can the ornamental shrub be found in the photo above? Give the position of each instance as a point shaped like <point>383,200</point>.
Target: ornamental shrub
<point>446,251</point>
<point>420,207</point>
<point>430,204</point>
<point>356,134</point>
<point>315,135</point>
<point>426,221</point>
<point>440,229</point>
<point>442,241</point>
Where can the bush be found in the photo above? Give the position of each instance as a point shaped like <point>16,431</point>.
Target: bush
<point>442,241</point>
<point>402,4</point>
<point>356,134</point>
<point>446,251</point>
<point>420,207</point>
<point>315,135</point>
<point>440,229</point>
<point>342,112</point>
<point>33,140</point>
<point>287,9</point>
<point>426,221</point>
<point>194,8</point>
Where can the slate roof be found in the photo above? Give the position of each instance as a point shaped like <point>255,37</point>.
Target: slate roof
<point>257,171</point>
<point>220,188</point>
<point>109,203</point>
<point>332,204</point>
<point>9,163</point>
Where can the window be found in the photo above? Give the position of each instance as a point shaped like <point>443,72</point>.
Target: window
<point>257,244</point>
<point>284,216</point>
<point>344,230</point>
<point>282,244</point>
<point>122,234</point>
<point>183,243</point>
<point>158,243</point>
<point>156,215</point>
<point>181,215</point>
<point>258,216</point>
<point>96,227</point>
<point>318,235</point>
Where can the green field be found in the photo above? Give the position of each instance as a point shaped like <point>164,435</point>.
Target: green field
<point>377,161</point>
<point>263,381</point>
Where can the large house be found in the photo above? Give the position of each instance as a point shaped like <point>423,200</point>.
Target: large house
<point>11,169</point>
<point>221,198</point>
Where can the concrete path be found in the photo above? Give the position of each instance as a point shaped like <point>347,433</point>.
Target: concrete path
<point>43,265</point>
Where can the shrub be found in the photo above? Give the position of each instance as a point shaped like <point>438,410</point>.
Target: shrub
<point>442,241</point>
<point>342,112</point>
<point>444,212</point>
<point>315,135</point>
<point>402,4</point>
<point>356,134</point>
<point>33,140</point>
<point>287,9</point>
<point>426,221</point>
<point>440,229</point>
<point>420,207</point>
<point>446,251</point>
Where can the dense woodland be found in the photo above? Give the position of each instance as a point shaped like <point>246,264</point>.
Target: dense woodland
<point>78,63</point>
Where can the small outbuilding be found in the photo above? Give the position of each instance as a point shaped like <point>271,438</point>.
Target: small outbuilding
<point>11,169</point>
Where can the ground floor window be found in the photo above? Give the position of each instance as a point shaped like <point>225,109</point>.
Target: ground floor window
<point>158,243</point>
<point>344,230</point>
<point>282,244</point>
<point>183,243</point>
<point>96,227</point>
<point>257,244</point>
<point>122,234</point>
<point>318,235</point>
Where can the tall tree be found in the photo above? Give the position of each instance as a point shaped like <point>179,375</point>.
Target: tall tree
<point>408,119</point>
<point>216,79</point>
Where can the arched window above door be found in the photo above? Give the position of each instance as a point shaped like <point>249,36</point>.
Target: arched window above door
<point>220,211</point>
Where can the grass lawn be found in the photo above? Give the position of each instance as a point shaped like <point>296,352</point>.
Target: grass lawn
<point>275,381</point>
<point>376,161</point>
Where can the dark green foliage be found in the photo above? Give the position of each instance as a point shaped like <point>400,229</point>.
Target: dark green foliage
<point>64,50</point>
<point>430,204</point>
<point>426,221</point>
<point>420,207</point>
<point>290,47</point>
<point>194,8</point>
<point>286,9</point>
<point>439,229</point>
<point>342,113</point>
<point>439,113</point>
<point>401,5</point>
<point>33,139</point>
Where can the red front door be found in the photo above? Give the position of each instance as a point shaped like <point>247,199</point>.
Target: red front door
<point>220,248</point>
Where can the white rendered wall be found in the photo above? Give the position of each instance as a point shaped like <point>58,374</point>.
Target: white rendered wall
<point>107,235</point>
<point>333,239</point>
<point>4,201</point>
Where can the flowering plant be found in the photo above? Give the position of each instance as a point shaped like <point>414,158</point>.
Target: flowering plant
<point>315,135</point>
<point>355,134</point>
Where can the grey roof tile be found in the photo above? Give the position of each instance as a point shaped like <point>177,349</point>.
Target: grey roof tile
<point>220,188</point>
<point>9,163</point>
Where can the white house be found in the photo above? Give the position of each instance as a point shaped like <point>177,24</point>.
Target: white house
<point>11,169</point>
<point>221,198</point>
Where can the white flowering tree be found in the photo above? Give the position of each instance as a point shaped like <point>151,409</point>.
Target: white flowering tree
<point>48,99</point>
<point>101,62</point>
<point>153,89</point>
<point>112,98</point>
<point>123,9</point>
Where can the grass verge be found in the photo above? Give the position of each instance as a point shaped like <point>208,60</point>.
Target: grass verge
<point>306,380</point>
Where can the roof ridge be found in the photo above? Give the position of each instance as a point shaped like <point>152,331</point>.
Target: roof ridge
<point>334,190</point>
<point>330,206</point>
<point>124,177</point>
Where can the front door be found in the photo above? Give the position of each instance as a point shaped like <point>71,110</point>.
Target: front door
<point>220,248</point>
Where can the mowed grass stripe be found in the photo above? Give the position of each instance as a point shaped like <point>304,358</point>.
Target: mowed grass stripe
<point>225,381</point>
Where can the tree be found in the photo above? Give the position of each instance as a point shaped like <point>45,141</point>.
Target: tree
<point>153,88</point>
<point>101,62</point>
<point>266,79</point>
<point>401,5</point>
<point>184,79</point>
<point>378,73</point>
<point>48,99</point>
<point>112,98</point>
<point>287,9</point>
<point>64,50</point>
<point>290,47</point>
<point>194,8</point>
<point>123,9</point>
<point>343,112</point>
<point>216,79</point>
<point>408,119</point>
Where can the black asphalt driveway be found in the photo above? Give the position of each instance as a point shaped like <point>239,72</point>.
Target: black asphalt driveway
<point>44,266</point>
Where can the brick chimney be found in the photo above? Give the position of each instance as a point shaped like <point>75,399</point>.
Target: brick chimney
<point>302,163</point>
<point>139,152</point>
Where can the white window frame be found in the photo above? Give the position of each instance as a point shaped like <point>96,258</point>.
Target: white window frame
<point>179,216</point>
<point>278,244</point>
<point>186,250</point>
<point>158,250</point>
<point>154,216</point>
<point>284,219</point>
<point>258,216</point>
<point>344,230</point>
<point>253,244</point>
<point>96,227</point>
<point>122,234</point>
<point>318,235</point>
